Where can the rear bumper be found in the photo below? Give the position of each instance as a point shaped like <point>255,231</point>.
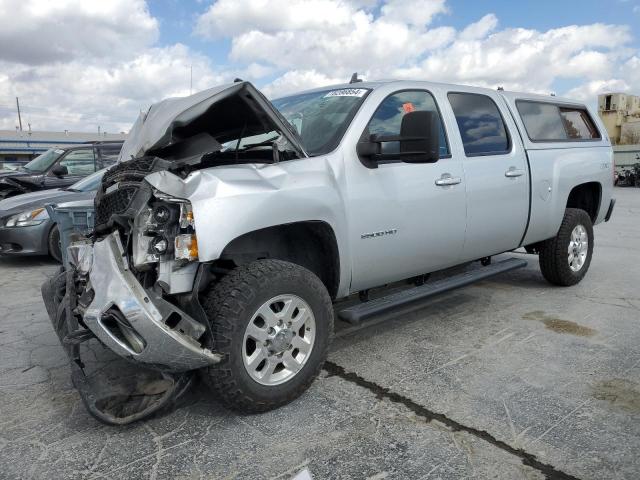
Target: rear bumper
<point>25,240</point>
<point>134,322</point>
<point>610,210</point>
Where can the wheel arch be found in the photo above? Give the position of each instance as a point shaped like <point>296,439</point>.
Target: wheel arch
<point>311,244</point>
<point>586,196</point>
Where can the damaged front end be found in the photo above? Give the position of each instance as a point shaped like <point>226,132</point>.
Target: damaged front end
<point>132,285</point>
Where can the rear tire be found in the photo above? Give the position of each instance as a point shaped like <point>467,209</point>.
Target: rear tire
<point>565,259</point>
<point>54,244</point>
<point>273,323</point>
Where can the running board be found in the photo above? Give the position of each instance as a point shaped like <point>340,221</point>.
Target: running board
<point>357,313</point>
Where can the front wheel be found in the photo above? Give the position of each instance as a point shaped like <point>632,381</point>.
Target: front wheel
<point>565,259</point>
<point>54,244</point>
<point>273,323</point>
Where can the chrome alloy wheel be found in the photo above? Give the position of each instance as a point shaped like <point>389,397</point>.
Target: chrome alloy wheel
<point>578,248</point>
<point>278,340</point>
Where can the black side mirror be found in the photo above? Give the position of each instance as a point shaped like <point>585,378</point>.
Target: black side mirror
<point>419,141</point>
<point>60,171</point>
<point>420,137</point>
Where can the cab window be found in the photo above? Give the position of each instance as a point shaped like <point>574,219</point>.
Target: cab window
<point>387,119</point>
<point>79,162</point>
<point>480,123</point>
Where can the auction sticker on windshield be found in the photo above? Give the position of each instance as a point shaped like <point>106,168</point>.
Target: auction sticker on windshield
<point>347,92</point>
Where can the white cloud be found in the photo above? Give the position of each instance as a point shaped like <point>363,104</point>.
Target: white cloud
<point>78,64</point>
<point>80,96</point>
<point>41,31</point>
<point>417,12</point>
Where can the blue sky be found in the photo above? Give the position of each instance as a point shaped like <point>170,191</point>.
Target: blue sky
<point>78,64</point>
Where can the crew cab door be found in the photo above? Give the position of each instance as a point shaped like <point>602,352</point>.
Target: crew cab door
<point>496,173</point>
<point>404,220</point>
<point>79,163</point>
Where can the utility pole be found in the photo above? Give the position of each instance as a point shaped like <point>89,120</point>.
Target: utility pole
<point>191,82</point>
<point>19,117</point>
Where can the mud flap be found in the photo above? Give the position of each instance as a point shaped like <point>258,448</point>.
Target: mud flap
<point>113,390</point>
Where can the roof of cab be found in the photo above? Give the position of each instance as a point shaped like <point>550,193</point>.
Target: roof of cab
<point>454,87</point>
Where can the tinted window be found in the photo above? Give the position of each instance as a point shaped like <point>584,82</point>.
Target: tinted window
<point>388,117</point>
<point>542,121</point>
<point>578,124</point>
<point>79,162</point>
<point>480,123</point>
<point>109,156</point>
<point>549,122</point>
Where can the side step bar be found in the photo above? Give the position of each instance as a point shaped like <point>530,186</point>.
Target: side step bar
<point>357,313</point>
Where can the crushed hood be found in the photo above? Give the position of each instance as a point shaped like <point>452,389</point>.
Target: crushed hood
<point>193,126</point>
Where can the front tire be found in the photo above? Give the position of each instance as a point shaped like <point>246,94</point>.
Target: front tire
<point>273,323</point>
<point>54,244</point>
<point>565,259</point>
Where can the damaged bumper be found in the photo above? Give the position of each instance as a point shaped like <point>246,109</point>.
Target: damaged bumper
<point>133,322</point>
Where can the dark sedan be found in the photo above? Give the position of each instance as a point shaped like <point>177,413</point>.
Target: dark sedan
<point>25,226</point>
<point>58,168</point>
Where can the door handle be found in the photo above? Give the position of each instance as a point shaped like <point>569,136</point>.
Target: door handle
<point>513,172</point>
<point>446,180</point>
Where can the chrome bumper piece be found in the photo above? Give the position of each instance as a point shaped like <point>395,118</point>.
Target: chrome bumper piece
<point>135,323</point>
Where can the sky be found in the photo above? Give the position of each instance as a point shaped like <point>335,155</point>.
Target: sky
<point>83,64</point>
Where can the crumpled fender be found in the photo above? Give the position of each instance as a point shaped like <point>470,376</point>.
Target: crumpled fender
<point>230,201</point>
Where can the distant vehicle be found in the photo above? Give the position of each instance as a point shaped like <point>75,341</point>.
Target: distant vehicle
<point>25,226</point>
<point>58,168</point>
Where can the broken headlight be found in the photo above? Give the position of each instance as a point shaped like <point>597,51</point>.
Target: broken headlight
<point>165,227</point>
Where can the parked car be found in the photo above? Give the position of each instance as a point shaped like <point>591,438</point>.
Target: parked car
<point>25,226</point>
<point>58,168</point>
<point>223,244</point>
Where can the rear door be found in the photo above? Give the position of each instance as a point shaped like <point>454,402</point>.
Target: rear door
<point>496,173</point>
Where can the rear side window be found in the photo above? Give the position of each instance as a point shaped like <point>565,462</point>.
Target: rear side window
<point>481,126</point>
<point>548,122</point>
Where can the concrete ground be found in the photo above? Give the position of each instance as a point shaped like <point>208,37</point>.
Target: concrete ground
<point>510,378</point>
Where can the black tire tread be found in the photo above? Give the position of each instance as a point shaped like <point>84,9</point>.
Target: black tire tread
<point>553,252</point>
<point>54,250</point>
<point>226,302</point>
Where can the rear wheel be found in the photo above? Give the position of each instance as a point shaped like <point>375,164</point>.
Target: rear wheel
<point>565,259</point>
<point>273,323</point>
<point>54,244</point>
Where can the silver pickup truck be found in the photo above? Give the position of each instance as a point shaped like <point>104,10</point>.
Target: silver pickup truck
<point>232,224</point>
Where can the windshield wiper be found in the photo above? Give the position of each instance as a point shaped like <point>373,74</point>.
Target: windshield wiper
<point>264,143</point>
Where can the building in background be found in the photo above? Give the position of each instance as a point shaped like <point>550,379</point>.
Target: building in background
<point>17,148</point>
<point>620,114</point>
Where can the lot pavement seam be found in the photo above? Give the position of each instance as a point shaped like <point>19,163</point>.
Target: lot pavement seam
<point>549,471</point>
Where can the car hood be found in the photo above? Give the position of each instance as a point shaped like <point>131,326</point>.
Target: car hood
<point>13,174</point>
<point>190,127</point>
<point>40,199</point>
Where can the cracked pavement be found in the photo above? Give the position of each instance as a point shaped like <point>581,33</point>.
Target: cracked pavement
<point>510,378</point>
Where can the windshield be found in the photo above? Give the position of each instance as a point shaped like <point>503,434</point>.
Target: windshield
<point>321,118</point>
<point>88,184</point>
<point>43,162</point>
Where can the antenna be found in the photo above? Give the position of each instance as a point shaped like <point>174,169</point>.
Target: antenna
<point>354,78</point>
<point>19,117</point>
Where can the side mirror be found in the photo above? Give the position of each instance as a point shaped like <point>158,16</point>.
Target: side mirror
<point>420,137</point>
<point>419,141</point>
<point>60,171</point>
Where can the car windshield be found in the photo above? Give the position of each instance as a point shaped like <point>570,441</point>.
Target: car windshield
<point>89,183</point>
<point>43,162</point>
<point>321,118</point>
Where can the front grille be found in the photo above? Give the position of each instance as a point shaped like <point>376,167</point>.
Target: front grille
<point>114,203</point>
